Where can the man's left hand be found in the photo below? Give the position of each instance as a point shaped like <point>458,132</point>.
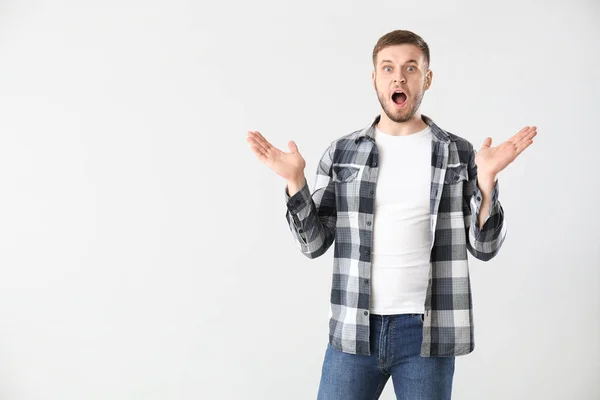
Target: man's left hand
<point>491,160</point>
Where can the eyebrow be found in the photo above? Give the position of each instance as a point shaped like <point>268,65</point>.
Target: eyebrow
<point>409,61</point>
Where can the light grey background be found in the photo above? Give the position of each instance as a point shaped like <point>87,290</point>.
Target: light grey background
<point>144,252</point>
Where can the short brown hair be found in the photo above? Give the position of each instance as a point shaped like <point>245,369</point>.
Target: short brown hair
<point>401,37</point>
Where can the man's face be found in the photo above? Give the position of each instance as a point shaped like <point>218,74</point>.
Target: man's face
<point>401,68</point>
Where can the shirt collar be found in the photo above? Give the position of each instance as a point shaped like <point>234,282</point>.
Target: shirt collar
<point>368,131</point>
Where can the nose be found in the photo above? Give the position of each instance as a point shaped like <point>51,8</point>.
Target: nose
<point>399,77</point>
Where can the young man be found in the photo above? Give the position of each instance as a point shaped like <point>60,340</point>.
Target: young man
<point>404,201</point>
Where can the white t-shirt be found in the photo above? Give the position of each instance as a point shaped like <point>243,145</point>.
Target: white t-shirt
<point>401,243</point>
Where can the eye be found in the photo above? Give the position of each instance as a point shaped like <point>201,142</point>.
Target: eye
<point>411,68</point>
<point>387,69</point>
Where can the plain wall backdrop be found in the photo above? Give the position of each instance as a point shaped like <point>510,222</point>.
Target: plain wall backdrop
<point>144,251</point>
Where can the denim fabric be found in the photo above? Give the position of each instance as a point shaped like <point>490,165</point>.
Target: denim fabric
<point>395,351</point>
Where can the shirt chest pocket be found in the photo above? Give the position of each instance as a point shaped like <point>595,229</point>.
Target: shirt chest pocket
<point>452,200</point>
<point>347,190</point>
<point>344,173</point>
<point>456,174</point>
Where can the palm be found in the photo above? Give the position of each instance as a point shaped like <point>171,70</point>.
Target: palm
<point>287,165</point>
<point>492,160</point>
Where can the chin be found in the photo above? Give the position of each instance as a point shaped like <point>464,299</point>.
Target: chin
<point>401,115</point>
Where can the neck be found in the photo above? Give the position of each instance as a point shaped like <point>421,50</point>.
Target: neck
<point>413,125</point>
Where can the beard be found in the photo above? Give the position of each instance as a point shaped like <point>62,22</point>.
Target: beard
<point>401,115</point>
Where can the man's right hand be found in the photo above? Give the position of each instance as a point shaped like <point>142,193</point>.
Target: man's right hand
<point>290,166</point>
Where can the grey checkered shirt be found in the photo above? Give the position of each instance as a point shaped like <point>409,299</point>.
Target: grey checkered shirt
<point>340,209</point>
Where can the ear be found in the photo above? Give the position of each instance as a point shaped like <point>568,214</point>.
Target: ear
<point>373,79</point>
<point>428,79</point>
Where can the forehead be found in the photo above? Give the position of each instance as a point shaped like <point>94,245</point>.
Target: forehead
<point>400,54</point>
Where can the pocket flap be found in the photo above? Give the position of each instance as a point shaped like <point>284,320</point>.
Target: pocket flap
<point>456,174</point>
<point>344,173</point>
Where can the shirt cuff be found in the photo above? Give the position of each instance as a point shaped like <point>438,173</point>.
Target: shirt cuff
<point>299,200</point>
<point>478,198</point>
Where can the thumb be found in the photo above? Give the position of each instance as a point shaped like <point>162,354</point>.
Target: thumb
<point>487,143</point>
<point>292,146</point>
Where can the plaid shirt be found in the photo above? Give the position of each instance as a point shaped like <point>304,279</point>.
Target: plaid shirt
<point>341,209</point>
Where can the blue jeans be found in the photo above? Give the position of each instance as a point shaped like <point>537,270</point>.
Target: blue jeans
<point>395,351</point>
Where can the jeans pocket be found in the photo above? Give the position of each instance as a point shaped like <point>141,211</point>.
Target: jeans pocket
<point>419,317</point>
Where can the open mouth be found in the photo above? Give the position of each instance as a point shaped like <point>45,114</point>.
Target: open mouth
<point>399,97</point>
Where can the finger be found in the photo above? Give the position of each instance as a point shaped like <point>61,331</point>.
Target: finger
<point>262,140</point>
<point>259,144</point>
<point>253,140</point>
<point>522,133</point>
<point>487,143</point>
<point>523,145</point>
<point>258,139</point>
<point>528,135</point>
<point>293,147</point>
<point>517,135</point>
<point>260,154</point>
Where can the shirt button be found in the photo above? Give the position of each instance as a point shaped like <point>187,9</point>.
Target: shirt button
<point>367,252</point>
<point>478,198</point>
<point>371,193</point>
<point>366,313</point>
<point>366,281</point>
<point>374,164</point>
<point>368,223</point>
